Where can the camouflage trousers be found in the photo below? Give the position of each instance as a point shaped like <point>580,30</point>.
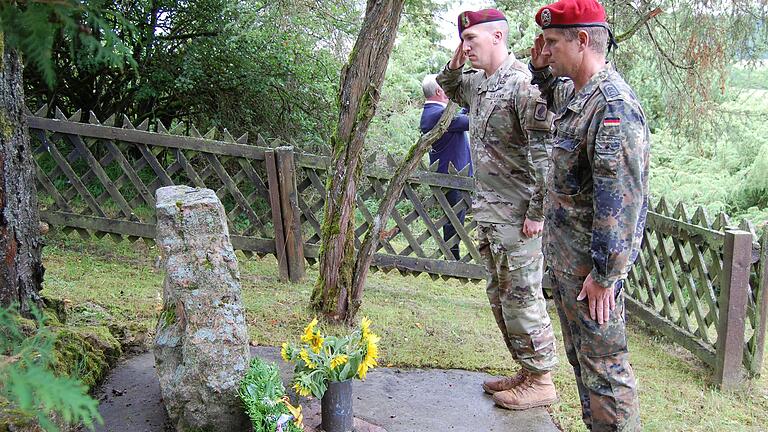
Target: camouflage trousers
<point>515,269</point>
<point>599,357</point>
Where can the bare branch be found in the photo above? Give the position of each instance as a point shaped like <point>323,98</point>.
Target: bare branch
<point>636,26</point>
<point>664,53</point>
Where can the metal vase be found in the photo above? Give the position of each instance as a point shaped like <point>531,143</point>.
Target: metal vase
<point>336,407</point>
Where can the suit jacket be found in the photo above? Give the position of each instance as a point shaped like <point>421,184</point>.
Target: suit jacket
<point>453,146</point>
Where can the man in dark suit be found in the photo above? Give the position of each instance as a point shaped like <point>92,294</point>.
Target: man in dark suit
<point>452,147</point>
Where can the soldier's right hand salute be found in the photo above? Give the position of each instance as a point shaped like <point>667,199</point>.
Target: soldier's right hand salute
<point>459,57</point>
<point>538,59</point>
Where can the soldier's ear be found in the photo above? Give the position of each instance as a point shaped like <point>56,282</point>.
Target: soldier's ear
<point>583,39</point>
<point>497,36</point>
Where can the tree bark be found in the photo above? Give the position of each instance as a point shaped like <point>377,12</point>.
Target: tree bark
<point>21,274</point>
<point>361,80</point>
<point>394,189</point>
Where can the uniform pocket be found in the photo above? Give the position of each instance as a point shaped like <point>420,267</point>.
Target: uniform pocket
<point>496,115</point>
<point>607,155</point>
<point>565,168</point>
<point>607,339</point>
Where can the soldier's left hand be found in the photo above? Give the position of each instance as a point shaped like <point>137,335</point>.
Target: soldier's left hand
<point>532,228</point>
<point>600,298</point>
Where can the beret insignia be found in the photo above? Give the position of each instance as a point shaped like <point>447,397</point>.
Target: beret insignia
<point>546,17</point>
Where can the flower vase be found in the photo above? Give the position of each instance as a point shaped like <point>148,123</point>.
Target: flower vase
<point>336,407</point>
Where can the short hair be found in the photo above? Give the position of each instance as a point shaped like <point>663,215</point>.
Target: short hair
<point>501,25</point>
<point>598,37</point>
<point>429,85</point>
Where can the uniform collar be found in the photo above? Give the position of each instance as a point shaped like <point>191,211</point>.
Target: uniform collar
<point>581,98</point>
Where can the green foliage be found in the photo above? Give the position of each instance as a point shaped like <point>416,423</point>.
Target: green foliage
<point>725,173</point>
<point>395,128</point>
<point>263,396</point>
<point>256,67</point>
<point>27,381</point>
<point>750,76</point>
<point>79,26</point>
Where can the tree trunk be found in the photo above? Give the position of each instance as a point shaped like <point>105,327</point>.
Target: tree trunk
<point>361,80</point>
<point>21,274</point>
<point>394,189</point>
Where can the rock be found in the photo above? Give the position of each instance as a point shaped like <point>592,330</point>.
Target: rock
<point>201,343</point>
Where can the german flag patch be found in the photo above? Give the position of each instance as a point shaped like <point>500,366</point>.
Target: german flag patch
<point>611,121</point>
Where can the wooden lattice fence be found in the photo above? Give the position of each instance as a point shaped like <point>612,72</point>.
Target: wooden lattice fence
<point>414,242</point>
<point>702,282</point>
<point>699,281</point>
<point>100,179</point>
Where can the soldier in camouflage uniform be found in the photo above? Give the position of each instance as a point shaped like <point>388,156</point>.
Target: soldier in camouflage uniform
<point>596,204</point>
<point>510,130</point>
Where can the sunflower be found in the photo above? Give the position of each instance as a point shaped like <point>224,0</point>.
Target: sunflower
<point>305,356</point>
<point>301,390</point>
<point>284,352</point>
<point>339,360</point>
<point>312,336</point>
<point>309,331</point>
<point>371,354</point>
<point>316,343</point>
<point>365,326</point>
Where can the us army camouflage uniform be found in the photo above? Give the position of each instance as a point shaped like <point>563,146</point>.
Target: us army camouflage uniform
<point>510,130</point>
<point>596,204</point>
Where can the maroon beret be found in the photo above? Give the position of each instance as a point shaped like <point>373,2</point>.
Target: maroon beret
<point>571,13</point>
<point>468,18</point>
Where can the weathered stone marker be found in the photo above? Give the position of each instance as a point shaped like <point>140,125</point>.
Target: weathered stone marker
<point>201,347</point>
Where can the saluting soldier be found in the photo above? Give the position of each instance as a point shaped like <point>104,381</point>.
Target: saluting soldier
<point>597,200</point>
<point>510,129</point>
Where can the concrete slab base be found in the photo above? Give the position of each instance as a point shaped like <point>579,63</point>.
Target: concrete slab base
<point>390,400</point>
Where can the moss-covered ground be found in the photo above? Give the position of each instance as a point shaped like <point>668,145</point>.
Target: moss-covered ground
<point>423,323</point>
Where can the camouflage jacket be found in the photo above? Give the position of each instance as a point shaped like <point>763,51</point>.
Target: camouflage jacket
<point>509,133</point>
<point>597,188</point>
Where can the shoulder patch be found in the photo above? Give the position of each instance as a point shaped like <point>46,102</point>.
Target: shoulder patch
<point>610,91</point>
<point>540,112</point>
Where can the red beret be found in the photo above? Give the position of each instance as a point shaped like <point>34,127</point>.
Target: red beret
<point>468,18</point>
<point>571,13</point>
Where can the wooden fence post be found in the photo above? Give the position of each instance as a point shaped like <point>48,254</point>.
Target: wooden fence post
<point>762,301</point>
<point>294,243</point>
<point>277,214</point>
<point>734,289</point>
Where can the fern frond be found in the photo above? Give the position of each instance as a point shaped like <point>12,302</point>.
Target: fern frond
<point>28,383</point>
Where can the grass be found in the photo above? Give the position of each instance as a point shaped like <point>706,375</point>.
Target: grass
<point>423,323</point>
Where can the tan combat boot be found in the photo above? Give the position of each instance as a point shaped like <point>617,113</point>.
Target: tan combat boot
<point>492,386</point>
<point>535,391</point>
